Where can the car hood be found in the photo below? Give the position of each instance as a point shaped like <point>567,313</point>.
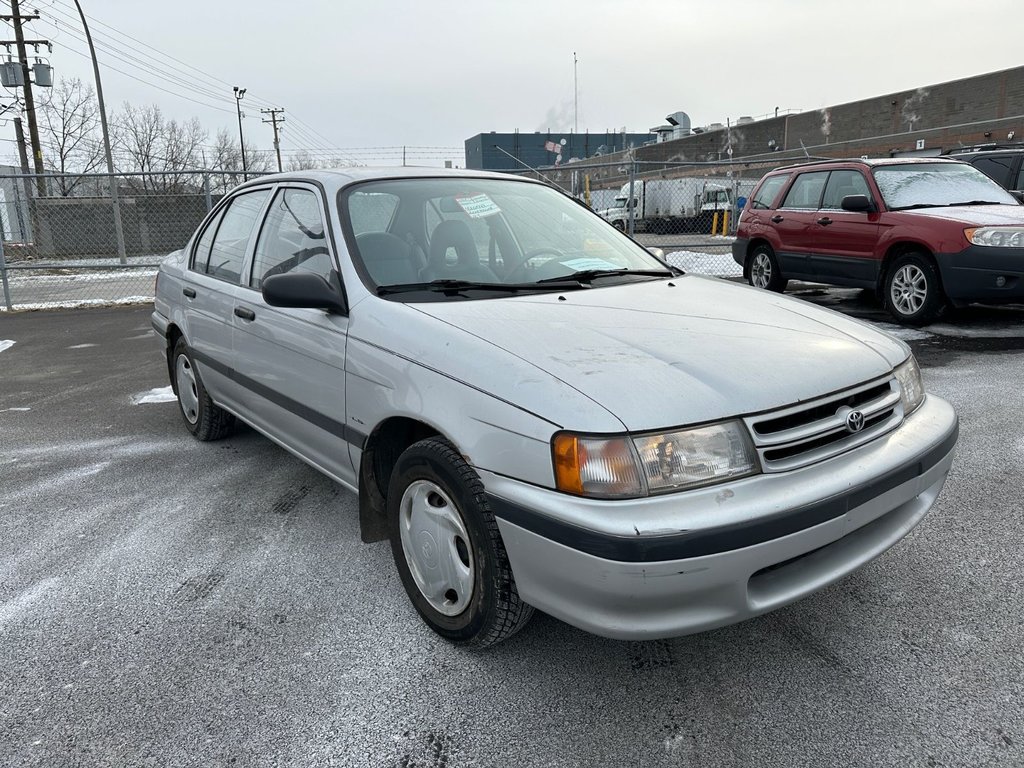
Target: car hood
<point>674,352</point>
<point>975,215</point>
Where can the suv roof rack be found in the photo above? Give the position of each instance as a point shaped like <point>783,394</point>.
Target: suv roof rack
<point>992,147</point>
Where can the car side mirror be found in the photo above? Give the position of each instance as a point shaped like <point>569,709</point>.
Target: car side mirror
<point>302,290</point>
<point>857,204</point>
<point>1018,194</point>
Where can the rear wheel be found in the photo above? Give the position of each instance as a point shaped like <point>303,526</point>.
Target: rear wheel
<point>912,291</point>
<point>763,269</point>
<point>448,550</point>
<point>202,418</point>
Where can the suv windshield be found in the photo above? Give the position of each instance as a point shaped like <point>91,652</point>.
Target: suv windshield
<point>930,185</point>
<point>458,238</point>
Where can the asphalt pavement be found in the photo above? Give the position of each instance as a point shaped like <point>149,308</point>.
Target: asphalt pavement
<point>170,603</point>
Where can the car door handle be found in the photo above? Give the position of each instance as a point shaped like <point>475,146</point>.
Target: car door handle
<point>190,292</point>
<point>245,314</point>
<point>776,219</point>
<point>824,221</point>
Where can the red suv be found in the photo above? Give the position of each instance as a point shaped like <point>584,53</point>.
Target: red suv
<point>923,233</point>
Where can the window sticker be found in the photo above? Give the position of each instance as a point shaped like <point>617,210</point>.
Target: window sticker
<point>478,206</point>
<point>581,264</point>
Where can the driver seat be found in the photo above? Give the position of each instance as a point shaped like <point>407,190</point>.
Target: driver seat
<point>455,235</point>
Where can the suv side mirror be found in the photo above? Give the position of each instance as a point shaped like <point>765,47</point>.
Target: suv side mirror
<point>857,204</point>
<point>302,290</point>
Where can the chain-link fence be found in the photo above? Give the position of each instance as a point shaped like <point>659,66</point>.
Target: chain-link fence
<point>67,241</point>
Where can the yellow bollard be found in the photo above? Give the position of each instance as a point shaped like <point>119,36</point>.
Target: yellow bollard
<point>714,224</point>
<point>725,223</point>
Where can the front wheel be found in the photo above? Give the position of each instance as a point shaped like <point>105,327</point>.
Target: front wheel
<point>448,550</point>
<point>912,292</point>
<point>763,270</point>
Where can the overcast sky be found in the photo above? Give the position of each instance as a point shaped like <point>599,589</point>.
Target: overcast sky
<point>361,75</point>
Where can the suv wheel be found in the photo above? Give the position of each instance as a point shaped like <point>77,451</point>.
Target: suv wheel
<point>763,270</point>
<point>912,292</point>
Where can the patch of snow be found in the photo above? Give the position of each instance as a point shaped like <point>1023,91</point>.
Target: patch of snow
<point>77,303</point>
<point>26,599</point>
<point>903,332</point>
<point>159,395</point>
<point>1008,331</point>
<point>717,264</point>
<point>17,409</point>
<point>5,344</point>
<point>82,346</point>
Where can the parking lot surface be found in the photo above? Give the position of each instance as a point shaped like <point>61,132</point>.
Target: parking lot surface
<point>171,603</point>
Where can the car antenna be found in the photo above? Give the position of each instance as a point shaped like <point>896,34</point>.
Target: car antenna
<point>540,176</point>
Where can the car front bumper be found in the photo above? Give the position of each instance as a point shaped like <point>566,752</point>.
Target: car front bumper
<point>976,272</point>
<point>687,562</point>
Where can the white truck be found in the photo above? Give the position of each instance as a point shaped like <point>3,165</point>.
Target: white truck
<point>670,205</point>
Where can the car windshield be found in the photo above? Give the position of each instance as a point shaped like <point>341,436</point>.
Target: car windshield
<point>931,185</point>
<point>440,239</point>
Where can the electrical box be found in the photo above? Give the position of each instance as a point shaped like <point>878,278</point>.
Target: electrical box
<point>11,74</point>
<point>43,74</point>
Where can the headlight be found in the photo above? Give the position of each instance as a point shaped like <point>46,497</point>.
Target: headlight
<point>997,237</point>
<point>911,389</point>
<point>625,467</point>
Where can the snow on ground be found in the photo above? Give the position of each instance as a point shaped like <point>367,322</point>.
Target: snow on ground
<point>77,303</point>
<point>158,395</point>
<point>16,409</point>
<point>82,346</point>
<point>718,264</point>
<point>18,278</point>
<point>5,344</point>
<point>902,332</point>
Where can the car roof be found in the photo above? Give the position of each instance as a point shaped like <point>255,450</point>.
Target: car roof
<point>870,162</point>
<point>335,178</point>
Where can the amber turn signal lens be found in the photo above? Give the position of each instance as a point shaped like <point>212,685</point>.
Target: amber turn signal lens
<point>567,464</point>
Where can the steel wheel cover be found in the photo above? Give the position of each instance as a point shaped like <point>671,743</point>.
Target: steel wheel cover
<point>909,289</point>
<point>436,547</point>
<point>761,270</point>
<point>188,395</point>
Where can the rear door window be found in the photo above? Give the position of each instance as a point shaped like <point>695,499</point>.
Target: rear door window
<point>806,191</point>
<point>233,235</point>
<point>768,191</point>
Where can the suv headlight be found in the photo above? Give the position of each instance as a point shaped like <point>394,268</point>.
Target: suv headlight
<point>911,388</point>
<point>624,467</point>
<point>997,237</point>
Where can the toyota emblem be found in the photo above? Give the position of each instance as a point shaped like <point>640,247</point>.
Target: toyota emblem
<point>854,421</point>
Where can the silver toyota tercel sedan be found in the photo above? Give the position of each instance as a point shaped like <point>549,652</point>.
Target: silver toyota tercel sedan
<point>538,412</point>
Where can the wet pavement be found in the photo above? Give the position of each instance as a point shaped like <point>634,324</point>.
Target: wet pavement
<point>170,603</point>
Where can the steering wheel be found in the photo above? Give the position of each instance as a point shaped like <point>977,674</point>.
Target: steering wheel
<point>518,272</point>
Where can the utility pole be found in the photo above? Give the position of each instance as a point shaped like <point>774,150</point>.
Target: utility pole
<point>115,200</point>
<point>575,97</point>
<point>274,119</point>
<point>16,20</point>
<point>239,95</point>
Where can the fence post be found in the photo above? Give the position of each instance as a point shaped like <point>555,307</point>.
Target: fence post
<point>3,278</point>
<point>118,226</point>
<point>632,208</point>
<point>206,191</point>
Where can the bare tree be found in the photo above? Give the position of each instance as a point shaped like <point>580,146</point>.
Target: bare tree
<point>301,161</point>
<point>70,133</point>
<point>164,148</point>
<point>226,158</point>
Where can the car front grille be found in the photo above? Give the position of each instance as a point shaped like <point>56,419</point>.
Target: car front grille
<point>817,430</point>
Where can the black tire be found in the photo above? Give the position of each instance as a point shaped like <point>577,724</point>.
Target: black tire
<point>912,291</point>
<point>493,610</point>
<point>202,417</point>
<point>620,225</point>
<point>762,269</point>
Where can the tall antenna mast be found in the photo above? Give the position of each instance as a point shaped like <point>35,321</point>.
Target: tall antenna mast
<point>575,98</point>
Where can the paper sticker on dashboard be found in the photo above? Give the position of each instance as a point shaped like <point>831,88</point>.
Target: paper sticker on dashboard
<point>478,206</point>
<point>580,264</point>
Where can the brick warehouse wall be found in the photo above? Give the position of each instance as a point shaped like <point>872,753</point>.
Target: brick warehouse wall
<point>944,116</point>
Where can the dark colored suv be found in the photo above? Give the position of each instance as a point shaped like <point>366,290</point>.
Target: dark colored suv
<point>1004,164</point>
<point>924,233</point>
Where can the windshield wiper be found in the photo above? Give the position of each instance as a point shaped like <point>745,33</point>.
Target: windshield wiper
<point>457,286</point>
<point>586,275</point>
<point>918,205</point>
<point>977,202</point>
